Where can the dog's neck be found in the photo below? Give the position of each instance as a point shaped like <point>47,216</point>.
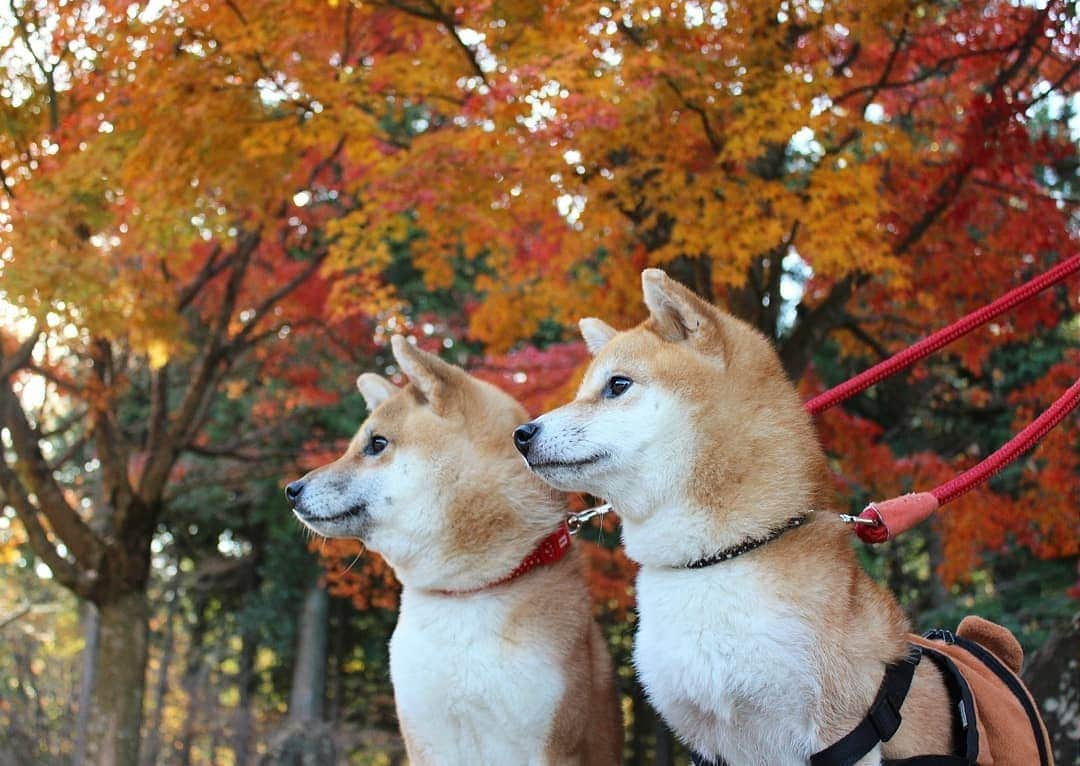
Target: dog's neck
<point>675,534</point>
<point>550,551</point>
<point>510,514</point>
<point>748,545</point>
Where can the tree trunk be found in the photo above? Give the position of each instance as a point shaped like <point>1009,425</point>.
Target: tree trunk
<point>1051,675</point>
<point>309,672</point>
<point>306,740</point>
<point>939,594</point>
<point>152,744</point>
<point>195,676</point>
<point>115,714</point>
<point>341,646</point>
<point>245,682</point>
<point>86,680</point>
<point>665,744</point>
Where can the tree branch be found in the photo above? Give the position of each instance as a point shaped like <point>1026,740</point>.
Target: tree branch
<point>66,573</point>
<point>109,441</point>
<point>267,305</point>
<point>83,543</point>
<point>21,357</point>
<point>21,611</point>
<point>815,323</point>
<point>160,462</point>
<point>211,267</point>
<point>432,12</point>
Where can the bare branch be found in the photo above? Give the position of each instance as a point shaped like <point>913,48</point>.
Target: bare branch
<point>159,417</point>
<point>161,460</point>
<point>66,573</point>
<point>21,357</point>
<point>940,68</point>
<point>6,183</point>
<point>212,266</point>
<point>109,441</point>
<point>60,460</point>
<point>815,323</point>
<point>66,386</point>
<point>275,297</point>
<point>852,326</point>
<point>21,611</point>
<point>65,424</point>
<point>430,11</point>
<point>715,141</point>
<point>83,543</point>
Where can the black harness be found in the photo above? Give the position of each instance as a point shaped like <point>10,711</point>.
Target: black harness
<point>884,718</point>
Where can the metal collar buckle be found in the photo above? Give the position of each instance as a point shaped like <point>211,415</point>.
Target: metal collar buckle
<point>575,521</point>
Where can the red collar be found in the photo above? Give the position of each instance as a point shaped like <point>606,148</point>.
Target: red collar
<point>551,549</point>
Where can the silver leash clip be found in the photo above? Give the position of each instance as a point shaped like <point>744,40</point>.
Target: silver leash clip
<point>575,521</point>
<point>849,519</point>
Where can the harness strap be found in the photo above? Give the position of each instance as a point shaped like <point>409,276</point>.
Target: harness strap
<point>881,723</point>
<point>965,727</point>
<point>1008,678</point>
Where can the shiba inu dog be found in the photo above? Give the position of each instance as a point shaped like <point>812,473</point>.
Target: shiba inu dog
<point>495,658</point>
<point>760,639</point>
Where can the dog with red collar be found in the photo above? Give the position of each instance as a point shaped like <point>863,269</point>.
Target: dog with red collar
<point>496,658</point>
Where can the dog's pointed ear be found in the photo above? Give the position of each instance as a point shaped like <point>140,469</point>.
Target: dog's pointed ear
<point>677,313</point>
<point>596,333</point>
<point>375,389</point>
<point>435,379</point>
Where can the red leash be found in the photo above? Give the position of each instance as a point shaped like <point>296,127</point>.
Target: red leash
<point>884,520</point>
<point>942,337</point>
<point>881,521</point>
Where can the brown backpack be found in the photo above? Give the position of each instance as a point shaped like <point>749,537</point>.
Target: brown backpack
<point>998,722</point>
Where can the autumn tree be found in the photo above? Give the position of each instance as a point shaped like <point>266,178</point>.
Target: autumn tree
<point>198,197</point>
<point>847,171</point>
<point>155,269</point>
<point>845,176</point>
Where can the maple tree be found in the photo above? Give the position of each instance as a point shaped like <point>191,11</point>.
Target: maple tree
<point>155,276</point>
<point>213,214</point>
<point>844,171</point>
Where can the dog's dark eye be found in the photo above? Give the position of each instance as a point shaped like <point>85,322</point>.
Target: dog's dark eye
<point>617,386</point>
<point>376,445</point>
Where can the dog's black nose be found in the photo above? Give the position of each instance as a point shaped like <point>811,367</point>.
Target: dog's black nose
<point>523,436</point>
<point>293,490</point>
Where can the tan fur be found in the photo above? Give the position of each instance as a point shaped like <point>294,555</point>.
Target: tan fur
<point>588,728</point>
<point>758,464</point>
<point>498,512</point>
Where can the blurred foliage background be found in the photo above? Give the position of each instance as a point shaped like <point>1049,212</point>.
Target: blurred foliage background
<point>213,216</point>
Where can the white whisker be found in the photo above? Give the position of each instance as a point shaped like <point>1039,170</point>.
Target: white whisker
<point>355,559</point>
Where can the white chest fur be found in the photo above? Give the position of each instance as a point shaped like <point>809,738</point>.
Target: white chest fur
<point>727,664</point>
<point>468,693</point>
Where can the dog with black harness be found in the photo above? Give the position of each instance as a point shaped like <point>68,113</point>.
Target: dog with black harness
<point>760,639</point>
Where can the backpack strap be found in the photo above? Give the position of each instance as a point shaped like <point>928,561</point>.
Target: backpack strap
<point>881,723</point>
<point>990,660</point>
<point>965,730</point>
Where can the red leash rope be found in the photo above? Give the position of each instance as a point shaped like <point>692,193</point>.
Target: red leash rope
<point>1012,449</point>
<point>881,521</point>
<point>942,337</point>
